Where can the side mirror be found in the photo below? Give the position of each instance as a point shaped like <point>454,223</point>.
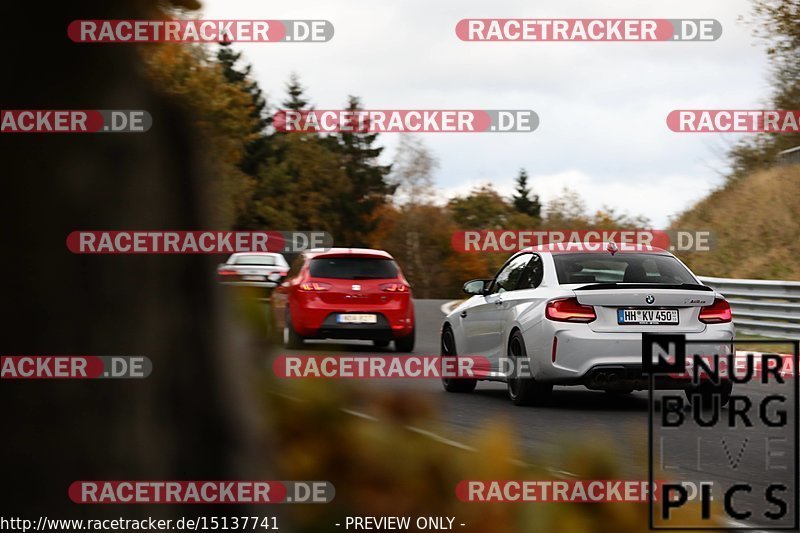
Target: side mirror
<point>475,286</point>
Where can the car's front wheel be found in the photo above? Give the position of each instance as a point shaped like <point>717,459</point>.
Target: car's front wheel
<point>448,349</point>
<point>523,389</point>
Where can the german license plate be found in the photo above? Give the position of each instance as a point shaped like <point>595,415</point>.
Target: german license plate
<point>254,278</point>
<point>647,316</point>
<point>357,319</point>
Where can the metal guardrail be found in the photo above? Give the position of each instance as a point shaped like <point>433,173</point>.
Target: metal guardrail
<point>790,156</point>
<point>762,307</point>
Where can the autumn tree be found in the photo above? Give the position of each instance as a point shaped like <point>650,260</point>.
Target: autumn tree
<point>482,208</point>
<point>257,149</point>
<point>412,171</point>
<point>567,210</point>
<point>304,185</point>
<point>222,113</point>
<point>777,23</point>
<point>412,228</point>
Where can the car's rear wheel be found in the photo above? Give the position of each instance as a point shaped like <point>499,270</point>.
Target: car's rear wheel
<point>524,390</point>
<point>448,349</point>
<point>708,393</point>
<point>290,337</point>
<point>380,343</point>
<point>405,344</point>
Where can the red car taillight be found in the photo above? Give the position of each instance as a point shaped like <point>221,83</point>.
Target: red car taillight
<point>717,313</point>
<point>315,286</point>
<point>226,272</point>
<point>394,287</point>
<point>569,310</point>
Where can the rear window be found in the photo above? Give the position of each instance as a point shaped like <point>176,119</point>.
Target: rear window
<point>352,268</point>
<point>620,268</point>
<point>267,260</point>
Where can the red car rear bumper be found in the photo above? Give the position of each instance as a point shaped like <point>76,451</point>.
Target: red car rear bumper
<point>314,318</point>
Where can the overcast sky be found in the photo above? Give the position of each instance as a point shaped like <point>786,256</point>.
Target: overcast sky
<point>602,105</point>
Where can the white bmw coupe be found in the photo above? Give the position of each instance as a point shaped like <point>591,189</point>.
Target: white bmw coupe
<point>563,315</point>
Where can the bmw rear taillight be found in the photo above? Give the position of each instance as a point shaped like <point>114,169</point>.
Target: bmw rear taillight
<point>315,286</point>
<point>717,313</point>
<point>394,287</point>
<point>569,310</point>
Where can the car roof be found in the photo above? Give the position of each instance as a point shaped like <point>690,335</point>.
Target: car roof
<point>236,254</point>
<point>596,247</point>
<point>354,252</point>
<point>270,254</point>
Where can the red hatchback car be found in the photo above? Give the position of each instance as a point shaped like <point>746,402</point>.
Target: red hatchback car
<point>345,293</point>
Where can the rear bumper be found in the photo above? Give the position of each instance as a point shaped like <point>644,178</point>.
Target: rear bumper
<point>629,377</point>
<point>330,330</point>
<point>259,284</point>
<point>318,321</point>
<point>580,351</point>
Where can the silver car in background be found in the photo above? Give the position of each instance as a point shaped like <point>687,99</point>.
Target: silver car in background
<point>253,269</point>
<point>576,317</point>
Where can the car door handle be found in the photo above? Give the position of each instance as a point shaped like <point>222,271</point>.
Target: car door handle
<point>463,314</point>
<point>498,302</point>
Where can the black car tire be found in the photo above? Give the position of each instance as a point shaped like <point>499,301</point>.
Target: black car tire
<point>290,337</point>
<point>405,344</point>
<point>448,349</point>
<point>524,391</point>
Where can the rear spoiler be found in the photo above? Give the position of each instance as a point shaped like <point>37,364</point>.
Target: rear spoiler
<point>646,286</point>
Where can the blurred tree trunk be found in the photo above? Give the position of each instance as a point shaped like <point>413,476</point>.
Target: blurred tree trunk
<point>194,417</point>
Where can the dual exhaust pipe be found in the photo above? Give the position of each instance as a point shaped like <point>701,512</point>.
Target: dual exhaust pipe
<point>607,378</point>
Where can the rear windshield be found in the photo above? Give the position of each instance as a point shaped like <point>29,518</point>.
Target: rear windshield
<point>620,268</point>
<point>268,260</point>
<point>352,268</point>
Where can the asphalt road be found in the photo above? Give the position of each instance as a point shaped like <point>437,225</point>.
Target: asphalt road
<point>619,424</point>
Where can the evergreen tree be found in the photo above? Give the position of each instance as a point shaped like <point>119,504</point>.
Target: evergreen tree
<point>257,150</point>
<point>296,101</point>
<point>524,202</point>
<point>369,188</point>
